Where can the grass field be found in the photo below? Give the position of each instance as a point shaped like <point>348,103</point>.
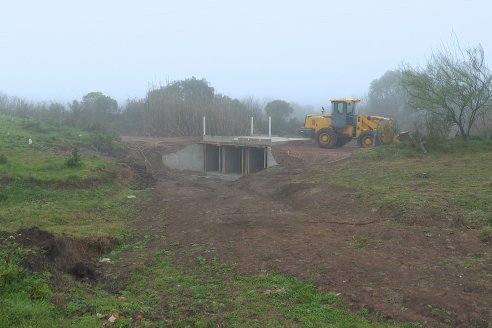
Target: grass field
<point>39,189</point>
<point>215,295</point>
<point>451,183</point>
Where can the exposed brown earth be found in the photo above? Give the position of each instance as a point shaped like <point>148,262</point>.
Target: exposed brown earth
<point>272,221</point>
<point>60,253</point>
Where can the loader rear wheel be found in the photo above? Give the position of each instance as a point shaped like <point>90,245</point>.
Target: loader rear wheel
<point>366,139</point>
<point>327,138</point>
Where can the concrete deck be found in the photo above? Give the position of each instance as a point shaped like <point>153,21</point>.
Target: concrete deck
<point>238,156</point>
<point>248,140</point>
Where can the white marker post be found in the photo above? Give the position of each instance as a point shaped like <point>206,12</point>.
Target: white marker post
<point>252,129</point>
<point>204,127</point>
<point>269,126</point>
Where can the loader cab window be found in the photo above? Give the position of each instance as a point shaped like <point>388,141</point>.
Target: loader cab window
<point>351,119</point>
<point>338,108</point>
<point>351,109</point>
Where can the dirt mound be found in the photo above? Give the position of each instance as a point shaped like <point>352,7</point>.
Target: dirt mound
<point>62,253</point>
<point>297,153</point>
<point>312,196</point>
<point>145,155</point>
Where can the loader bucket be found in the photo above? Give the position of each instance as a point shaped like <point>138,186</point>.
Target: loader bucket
<point>405,136</point>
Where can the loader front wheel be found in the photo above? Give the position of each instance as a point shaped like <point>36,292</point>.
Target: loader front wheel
<point>327,138</point>
<point>366,139</point>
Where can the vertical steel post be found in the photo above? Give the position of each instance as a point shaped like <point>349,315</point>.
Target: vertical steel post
<point>269,126</point>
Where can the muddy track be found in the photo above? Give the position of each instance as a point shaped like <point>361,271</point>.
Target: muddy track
<point>376,260</point>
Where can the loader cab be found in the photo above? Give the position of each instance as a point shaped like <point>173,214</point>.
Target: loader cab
<point>343,112</point>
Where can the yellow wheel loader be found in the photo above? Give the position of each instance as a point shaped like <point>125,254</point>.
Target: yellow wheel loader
<point>344,124</point>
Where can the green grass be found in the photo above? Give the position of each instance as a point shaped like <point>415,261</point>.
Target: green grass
<point>16,131</point>
<point>24,298</point>
<point>45,159</point>
<point>103,210</point>
<point>210,295</point>
<point>213,295</point>
<point>39,189</point>
<point>47,167</point>
<point>451,185</point>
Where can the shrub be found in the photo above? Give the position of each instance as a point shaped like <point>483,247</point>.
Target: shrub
<point>3,159</point>
<point>485,234</point>
<point>74,159</point>
<point>459,145</point>
<point>103,142</point>
<point>34,126</point>
<point>10,257</point>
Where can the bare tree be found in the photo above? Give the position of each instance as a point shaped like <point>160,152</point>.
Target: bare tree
<point>456,85</point>
<point>387,97</point>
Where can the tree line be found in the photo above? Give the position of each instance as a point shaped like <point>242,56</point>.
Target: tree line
<point>175,109</point>
<point>450,96</point>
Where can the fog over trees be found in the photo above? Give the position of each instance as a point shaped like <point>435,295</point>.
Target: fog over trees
<point>175,109</point>
<point>451,95</point>
<point>456,85</point>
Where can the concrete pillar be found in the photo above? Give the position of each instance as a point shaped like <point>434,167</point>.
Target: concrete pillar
<point>247,161</point>
<point>243,168</point>
<point>205,158</point>
<point>264,158</point>
<point>223,159</point>
<point>220,159</point>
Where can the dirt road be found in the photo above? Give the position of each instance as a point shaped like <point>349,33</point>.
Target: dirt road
<point>274,222</point>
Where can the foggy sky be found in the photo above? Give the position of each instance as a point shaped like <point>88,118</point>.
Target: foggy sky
<point>300,51</point>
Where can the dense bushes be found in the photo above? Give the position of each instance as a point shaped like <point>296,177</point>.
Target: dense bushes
<point>175,109</point>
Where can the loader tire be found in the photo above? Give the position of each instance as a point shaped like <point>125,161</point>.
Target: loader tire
<point>366,139</point>
<point>327,138</point>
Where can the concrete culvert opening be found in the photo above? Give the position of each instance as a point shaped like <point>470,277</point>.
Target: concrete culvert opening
<point>230,158</point>
<point>257,159</point>
<point>212,158</point>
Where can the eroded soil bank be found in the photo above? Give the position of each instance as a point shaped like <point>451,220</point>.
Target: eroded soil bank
<point>60,253</point>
